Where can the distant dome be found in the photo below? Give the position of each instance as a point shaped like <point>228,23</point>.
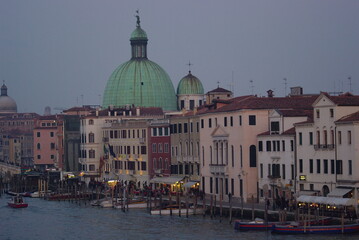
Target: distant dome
<point>7,104</point>
<point>190,84</point>
<point>139,81</point>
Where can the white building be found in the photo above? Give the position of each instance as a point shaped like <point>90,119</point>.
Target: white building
<point>276,154</point>
<point>326,151</point>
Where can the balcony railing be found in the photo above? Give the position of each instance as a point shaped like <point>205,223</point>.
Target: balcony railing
<point>324,146</point>
<point>219,169</point>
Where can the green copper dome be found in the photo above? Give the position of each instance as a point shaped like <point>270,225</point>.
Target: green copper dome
<point>190,85</point>
<point>138,33</point>
<point>139,81</point>
<point>142,83</point>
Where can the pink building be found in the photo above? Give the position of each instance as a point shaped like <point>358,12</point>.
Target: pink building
<point>48,142</point>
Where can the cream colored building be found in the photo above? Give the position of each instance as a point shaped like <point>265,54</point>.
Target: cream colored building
<point>325,150</point>
<point>228,139</point>
<point>276,154</point>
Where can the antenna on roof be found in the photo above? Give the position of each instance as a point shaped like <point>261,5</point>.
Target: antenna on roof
<point>252,87</point>
<point>217,84</point>
<point>285,86</point>
<point>350,83</point>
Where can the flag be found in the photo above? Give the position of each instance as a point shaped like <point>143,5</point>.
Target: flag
<point>111,151</point>
<point>105,150</point>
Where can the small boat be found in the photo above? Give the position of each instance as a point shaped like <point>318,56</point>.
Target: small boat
<point>17,202</point>
<point>175,210</point>
<point>260,224</point>
<point>325,229</point>
<point>257,224</point>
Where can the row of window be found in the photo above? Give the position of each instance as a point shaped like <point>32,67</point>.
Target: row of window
<point>222,184</point>
<point>17,123</point>
<point>116,150</point>
<point>220,155</point>
<point>322,138</point>
<point>275,146</point>
<point>48,124</point>
<point>186,168</point>
<point>189,150</point>
<point>38,134</point>
<point>187,127</point>
<point>274,171</point>
<point>129,165</point>
<point>229,121</point>
<point>38,146</point>
<point>160,148</point>
<point>123,134</point>
<point>326,166</point>
<point>331,113</point>
<point>40,156</point>
<point>160,131</point>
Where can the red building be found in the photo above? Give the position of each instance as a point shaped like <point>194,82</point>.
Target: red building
<point>159,142</point>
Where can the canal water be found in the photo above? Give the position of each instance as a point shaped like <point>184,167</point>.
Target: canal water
<point>66,220</point>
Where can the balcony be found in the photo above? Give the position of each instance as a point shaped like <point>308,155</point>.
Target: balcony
<point>218,169</point>
<point>105,139</point>
<point>142,140</point>
<point>324,146</point>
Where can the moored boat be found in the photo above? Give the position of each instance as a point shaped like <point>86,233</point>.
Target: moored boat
<point>175,210</point>
<point>17,202</point>
<point>325,229</point>
<point>260,224</point>
<point>257,224</point>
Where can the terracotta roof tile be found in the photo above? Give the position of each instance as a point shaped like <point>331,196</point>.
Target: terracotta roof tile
<point>297,102</point>
<point>350,118</point>
<point>345,100</point>
<point>219,90</point>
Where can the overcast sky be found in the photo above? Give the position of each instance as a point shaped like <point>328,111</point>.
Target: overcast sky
<point>61,53</point>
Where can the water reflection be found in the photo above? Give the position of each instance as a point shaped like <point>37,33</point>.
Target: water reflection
<point>66,220</point>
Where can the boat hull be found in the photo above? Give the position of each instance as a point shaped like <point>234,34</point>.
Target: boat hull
<point>261,225</point>
<point>17,205</point>
<point>176,211</point>
<point>244,226</point>
<point>329,229</point>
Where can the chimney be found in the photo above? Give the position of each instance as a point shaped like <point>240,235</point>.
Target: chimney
<point>270,93</point>
<point>138,113</point>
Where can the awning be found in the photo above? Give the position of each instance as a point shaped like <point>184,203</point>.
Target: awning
<point>339,192</point>
<point>327,200</point>
<point>190,184</point>
<point>166,180</point>
<point>307,193</point>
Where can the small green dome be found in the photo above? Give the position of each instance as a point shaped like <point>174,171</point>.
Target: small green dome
<point>138,34</point>
<point>190,85</point>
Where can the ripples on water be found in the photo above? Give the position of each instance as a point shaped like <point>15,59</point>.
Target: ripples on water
<point>65,220</point>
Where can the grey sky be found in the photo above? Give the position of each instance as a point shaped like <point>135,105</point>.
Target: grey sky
<point>61,53</point>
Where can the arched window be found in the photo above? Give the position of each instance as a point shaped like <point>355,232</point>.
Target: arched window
<point>154,164</point>
<point>160,163</point>
<point>91,122</point>
<point>91,153</point>
<point>91,137</point>
<point>166,163</point>
<point>252,156</point>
